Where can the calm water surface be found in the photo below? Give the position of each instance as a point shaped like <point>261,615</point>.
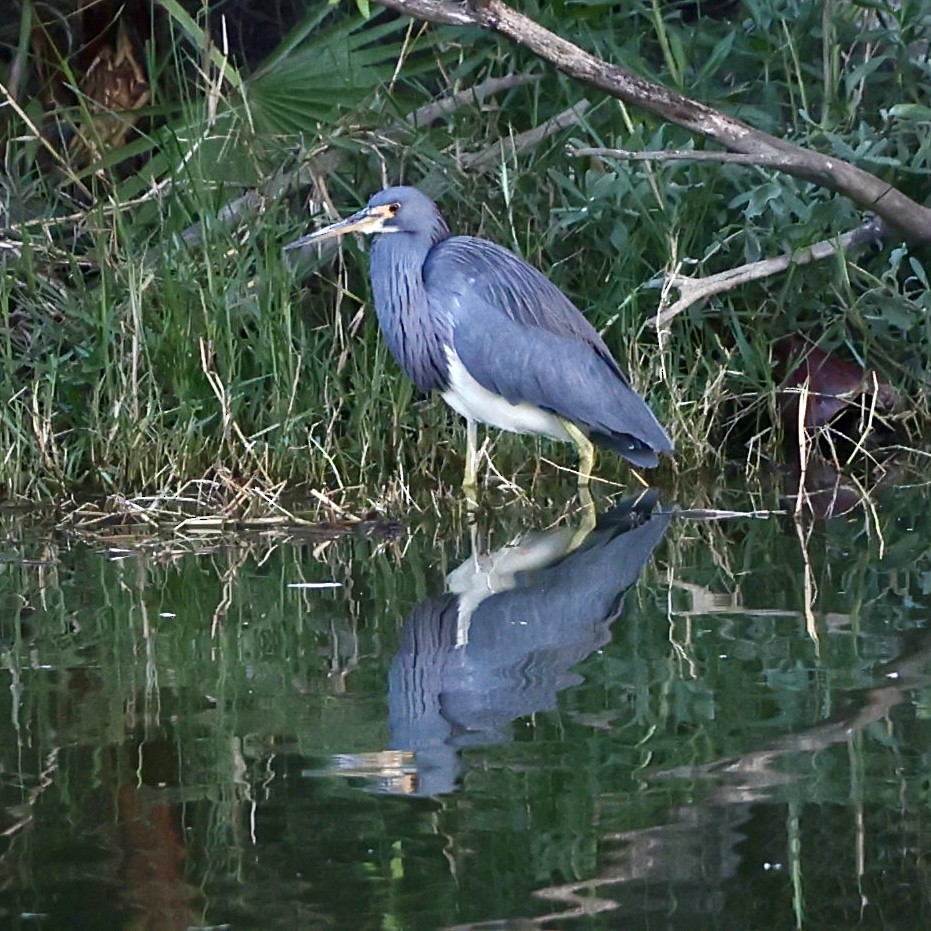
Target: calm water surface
<point>660,723</point>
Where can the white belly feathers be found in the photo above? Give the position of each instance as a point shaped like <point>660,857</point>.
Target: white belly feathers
<point>466,396</point>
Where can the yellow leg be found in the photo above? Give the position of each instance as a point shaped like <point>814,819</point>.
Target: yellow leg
<point>586,452</point>
<point>589,519</point>
<point>469,482</point>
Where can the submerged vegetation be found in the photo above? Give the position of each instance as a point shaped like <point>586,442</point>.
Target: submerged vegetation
<point>152,332</point>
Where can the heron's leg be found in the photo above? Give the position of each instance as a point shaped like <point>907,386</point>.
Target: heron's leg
<point>589,519</point>
<point>469,482</point>
<point>586,452</point>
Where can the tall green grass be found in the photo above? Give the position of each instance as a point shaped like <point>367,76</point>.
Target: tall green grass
<point>146,341</point>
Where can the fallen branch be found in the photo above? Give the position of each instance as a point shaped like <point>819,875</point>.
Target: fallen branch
<point>436,182</point>
<point>865,189</point>
<point>526,140</point>
<point>692,290</point>
<point>437,109</point>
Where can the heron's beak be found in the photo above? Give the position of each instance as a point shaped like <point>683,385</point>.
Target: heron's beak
<point>367,220</point>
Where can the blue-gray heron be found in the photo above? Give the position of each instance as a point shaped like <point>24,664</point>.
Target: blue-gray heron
<point>501,343</point>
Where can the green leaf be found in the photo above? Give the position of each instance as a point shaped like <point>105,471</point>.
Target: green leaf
<point>910,111</point>
<point>176,12</point>
<point>320,74</point>
<point>918,270</point>
<point>718,55</point>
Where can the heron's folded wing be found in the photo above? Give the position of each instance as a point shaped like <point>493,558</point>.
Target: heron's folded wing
<point>557,372</point>
<point>476,270</point>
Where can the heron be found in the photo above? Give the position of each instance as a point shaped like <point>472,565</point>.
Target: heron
<point>494,337</point>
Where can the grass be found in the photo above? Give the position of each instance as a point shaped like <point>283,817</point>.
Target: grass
<point>145,343</point>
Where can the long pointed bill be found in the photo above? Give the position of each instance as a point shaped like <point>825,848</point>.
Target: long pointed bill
<point>367,220</point>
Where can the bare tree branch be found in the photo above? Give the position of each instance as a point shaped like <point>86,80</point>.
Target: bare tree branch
<point>436,182</point>
<point>665,155</point>
<point>863,188</point>
<point>527,139</point>
<point>446,105</point>
<point>692,290</point>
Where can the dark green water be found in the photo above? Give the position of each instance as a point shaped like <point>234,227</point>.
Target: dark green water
<point>741,741</point>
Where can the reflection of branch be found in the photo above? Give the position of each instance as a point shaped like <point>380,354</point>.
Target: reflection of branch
<point>829,171</point>
<point>704,601</point>
<point>25,811</point>
<point>663,852</point>
<point>902,675</point>
<point>692,290</point>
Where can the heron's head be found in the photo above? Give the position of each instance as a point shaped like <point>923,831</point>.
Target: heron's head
<point>393,210</point>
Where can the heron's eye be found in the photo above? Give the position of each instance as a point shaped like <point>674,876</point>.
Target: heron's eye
<point>393,209</point>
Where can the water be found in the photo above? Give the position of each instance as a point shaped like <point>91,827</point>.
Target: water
<point>666,723</point>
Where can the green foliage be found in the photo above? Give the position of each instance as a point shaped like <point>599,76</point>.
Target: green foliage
<point>150,332</point>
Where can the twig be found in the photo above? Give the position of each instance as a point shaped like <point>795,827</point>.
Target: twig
<point>692,290</point>
<point>251,203</point>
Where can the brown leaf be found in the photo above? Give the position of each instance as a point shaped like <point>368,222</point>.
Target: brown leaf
<point>832,383</point>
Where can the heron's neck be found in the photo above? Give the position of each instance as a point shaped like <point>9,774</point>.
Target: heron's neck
<point>414,333</point>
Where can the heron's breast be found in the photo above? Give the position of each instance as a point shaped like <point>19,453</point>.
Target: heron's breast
<point>475,402</point>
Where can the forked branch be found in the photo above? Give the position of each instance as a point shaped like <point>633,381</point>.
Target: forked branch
<point>692,290</point>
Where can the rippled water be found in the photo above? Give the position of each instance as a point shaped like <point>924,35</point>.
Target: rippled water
<point>664,722</point>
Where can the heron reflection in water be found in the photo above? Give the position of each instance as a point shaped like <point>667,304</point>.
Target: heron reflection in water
<point>503,641</point>
<point>501,343</point>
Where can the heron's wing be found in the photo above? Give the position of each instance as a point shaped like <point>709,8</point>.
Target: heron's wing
<point>557,373</point>
<point>518,336</point>
<point>480,270</point>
